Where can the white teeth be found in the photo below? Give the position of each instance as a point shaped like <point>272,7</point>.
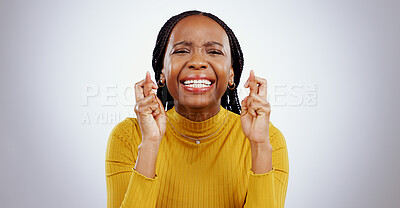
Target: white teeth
<point>197,83</point>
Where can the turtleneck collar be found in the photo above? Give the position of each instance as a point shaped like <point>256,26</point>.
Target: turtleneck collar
<point>195,129</point>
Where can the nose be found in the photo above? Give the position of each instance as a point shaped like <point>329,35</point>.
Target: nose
<point>197,61</point>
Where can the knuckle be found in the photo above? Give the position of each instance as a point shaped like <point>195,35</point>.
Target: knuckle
<point>251,105</point>
<point>139,107</point>
<point>136,108</point>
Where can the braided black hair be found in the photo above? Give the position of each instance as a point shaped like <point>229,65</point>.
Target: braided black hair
<point>230,99</point>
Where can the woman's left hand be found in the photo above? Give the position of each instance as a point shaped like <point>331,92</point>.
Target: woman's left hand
<point>256,111</point>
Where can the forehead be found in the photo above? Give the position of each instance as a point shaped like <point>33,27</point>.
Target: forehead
<point>198,29</point>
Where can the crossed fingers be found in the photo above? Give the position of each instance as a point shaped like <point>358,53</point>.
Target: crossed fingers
<point>144,88</point>
<point>256,102</point>
<point>258,86</point>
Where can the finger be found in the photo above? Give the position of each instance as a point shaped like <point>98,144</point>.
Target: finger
<point>247,103</point>
<point>153,107</point>
<point>157,111</point>
<point>258,98</point>
<point>154,85</point>
<point>160,110</point>
<point>262,87</point>
<point>246,84</point>
<point>257,105</point>
<point>252,112</point>
<point>148,109</point>
<point>260,108</point>
<point>148,100</point>
<point>244,107</point>
<point>143,110</point>
<point>148,85</point>
<point>255,98</point>
<point>252,83</point>
<point>139,90</point>
<point>146,105</point>
<point>250,109</point>
<point>161,106</point>
<point>244,101</point>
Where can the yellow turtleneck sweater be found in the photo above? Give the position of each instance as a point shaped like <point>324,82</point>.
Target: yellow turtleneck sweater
<point>215,173</point>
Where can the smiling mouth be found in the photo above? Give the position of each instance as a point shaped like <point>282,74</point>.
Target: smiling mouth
<point>197,85</point>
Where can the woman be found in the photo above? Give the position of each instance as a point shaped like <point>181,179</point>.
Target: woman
<point>206,150</point>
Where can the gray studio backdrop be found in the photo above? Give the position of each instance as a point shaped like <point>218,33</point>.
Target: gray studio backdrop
<point>67,68</point>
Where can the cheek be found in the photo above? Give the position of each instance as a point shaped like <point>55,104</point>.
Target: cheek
<point>223,72</point>
<point>171,76</point>
<point>223,77</point>
<point>171,72</point>
<point>173,68</point>
<point>222,85</point>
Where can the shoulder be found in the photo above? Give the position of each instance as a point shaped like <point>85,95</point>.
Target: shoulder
<point>234,117</point>
<point>125,127</point>
<point>233,121</point>
<point>276,137</point>
<point>280,157</point>
<point>126,131</point>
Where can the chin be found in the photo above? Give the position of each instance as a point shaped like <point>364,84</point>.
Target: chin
<point>197,101</point>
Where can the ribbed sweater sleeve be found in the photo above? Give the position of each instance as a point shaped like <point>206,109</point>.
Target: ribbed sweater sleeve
<point>269,189</point>
<point>125,186</point>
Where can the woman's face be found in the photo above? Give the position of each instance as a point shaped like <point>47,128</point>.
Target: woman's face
<point>197,62</point>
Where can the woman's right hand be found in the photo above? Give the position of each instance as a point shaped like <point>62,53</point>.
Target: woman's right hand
<point>149,111</point>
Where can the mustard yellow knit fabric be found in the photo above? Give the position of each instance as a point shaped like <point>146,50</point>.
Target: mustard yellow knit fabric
<point>215,173</point>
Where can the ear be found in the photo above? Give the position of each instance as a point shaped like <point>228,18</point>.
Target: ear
<point>231,75</point>
<point>162,75</point>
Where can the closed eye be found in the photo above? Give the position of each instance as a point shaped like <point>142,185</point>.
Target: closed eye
<point>180,51</point>
<point>215,52</point>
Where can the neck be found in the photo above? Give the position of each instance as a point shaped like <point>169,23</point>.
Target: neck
<point>197,114</point>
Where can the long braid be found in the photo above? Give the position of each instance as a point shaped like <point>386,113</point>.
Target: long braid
<point>230,99</point>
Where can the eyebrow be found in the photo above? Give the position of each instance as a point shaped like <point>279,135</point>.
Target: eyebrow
<point>213,43</point>
<point>188,43</point>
